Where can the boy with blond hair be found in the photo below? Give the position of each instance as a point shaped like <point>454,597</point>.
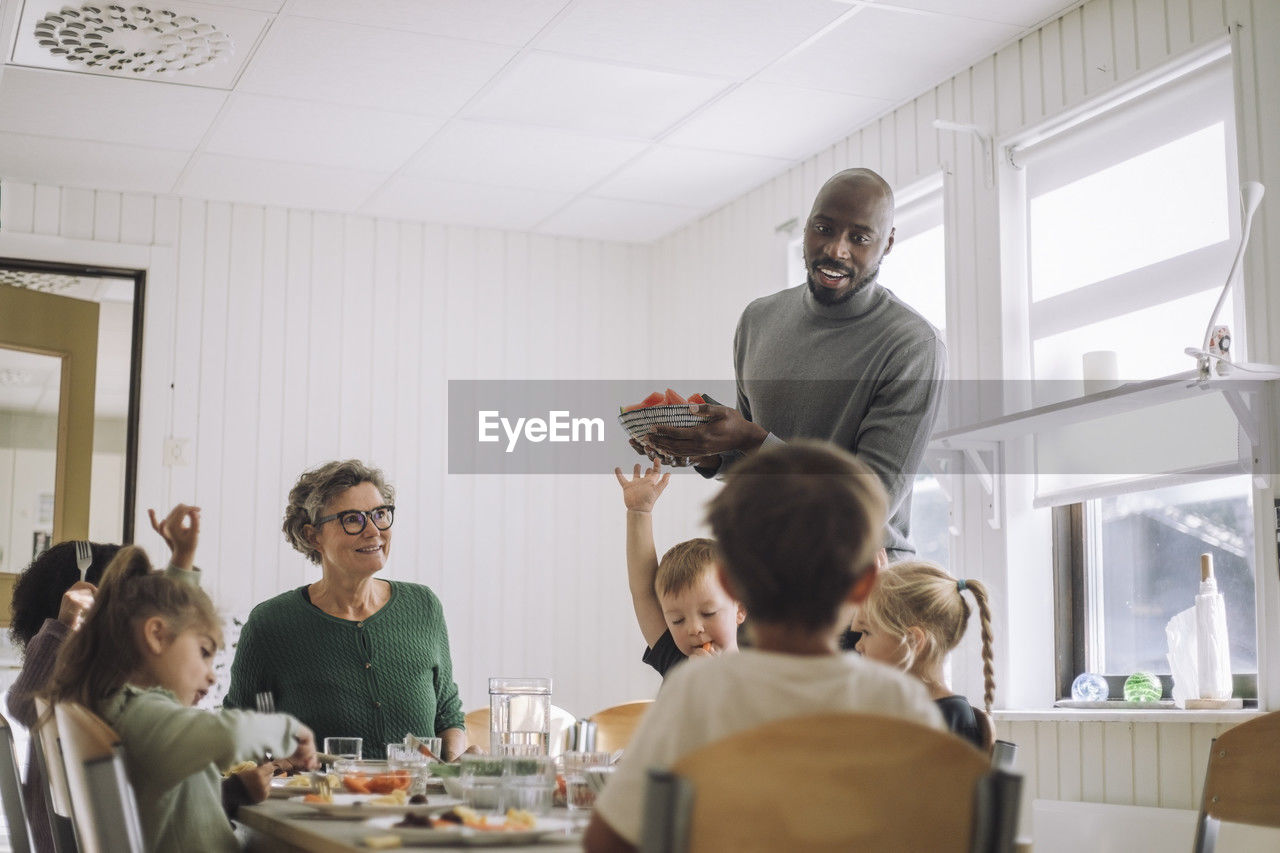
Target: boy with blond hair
<point>797,527</point>
<point>681,608</point>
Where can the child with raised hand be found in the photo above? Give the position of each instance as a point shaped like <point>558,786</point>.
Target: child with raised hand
<point>142,660</point>
<point>681,608</point>
<point>797,526</point>
<point>912,620</point>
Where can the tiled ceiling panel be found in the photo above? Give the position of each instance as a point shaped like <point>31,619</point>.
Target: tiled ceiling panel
<point>594,97</point>
<point>625,221</point>
<point>82,163</point>
<point>83,106</point>
<point>611,119</point>
<point>465,204</point>
<point>271,182</point>
<point>528,157</point>
<point>688,176</point>
<point>319,134</point>
<point>888,53</point>
<point>720,37</point>
<point>776,121</point>
<point>363,66</point>
<point>511,22</point>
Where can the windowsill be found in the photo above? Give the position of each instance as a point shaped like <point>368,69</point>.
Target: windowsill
<point>1125,715</point>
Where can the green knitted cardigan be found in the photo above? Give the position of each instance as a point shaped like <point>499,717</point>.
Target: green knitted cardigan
<point>379,679</point>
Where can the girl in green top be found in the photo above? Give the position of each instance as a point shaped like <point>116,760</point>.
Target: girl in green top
<point>142,660</point>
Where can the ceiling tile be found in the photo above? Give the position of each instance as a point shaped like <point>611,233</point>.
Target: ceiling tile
<point>99,165</point>
<point>430,200</point>
<point>271,182</point>
<point>690,177</point>
<point>1024,13</point>
<point>86,106</point>
<point>512,22</point>
<point>725,37</point>
<point>889,53</point>
<point>320,134</point>
<point>382,68</point>
<point>626,221</point>
<point>237,28</point>
<point>776,121</point>
<point>529,157</point>
<point>593,97</point>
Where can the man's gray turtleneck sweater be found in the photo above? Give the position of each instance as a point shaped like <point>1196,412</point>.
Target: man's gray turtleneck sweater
<point>865,374</point>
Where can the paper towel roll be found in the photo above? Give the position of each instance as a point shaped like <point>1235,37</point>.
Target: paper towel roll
<point>1101,370</point>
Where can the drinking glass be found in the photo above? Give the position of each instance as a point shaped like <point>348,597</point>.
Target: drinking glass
<point>402,758</point>
<point>481,780</point>
<point>350,748</point>
<point>519,714</point>
<point>529,782</point>
<point>435,744</point>
<point>584,775</point>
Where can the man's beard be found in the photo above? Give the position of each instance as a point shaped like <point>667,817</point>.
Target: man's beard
<point>826,296</point>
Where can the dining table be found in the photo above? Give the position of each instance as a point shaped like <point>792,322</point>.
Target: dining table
<point>290,826</point>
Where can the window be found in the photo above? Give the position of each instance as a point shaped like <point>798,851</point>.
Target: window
<point>1132,223</point>
<point>915,271</point>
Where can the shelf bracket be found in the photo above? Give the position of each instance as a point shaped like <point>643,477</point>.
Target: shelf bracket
<point>987,477</point>
<point>942,465</point>
<point>1250,424</point>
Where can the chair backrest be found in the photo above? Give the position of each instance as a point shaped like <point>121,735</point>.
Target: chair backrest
<point>561,728</point>
<point>103,804</point>
<point>851,782</point>
<point>616,725</point>
<point>15,811</point>
<point>46,729</point>
<point>1241,784</point>
<point>1003,754</point>
<point>478,728</point>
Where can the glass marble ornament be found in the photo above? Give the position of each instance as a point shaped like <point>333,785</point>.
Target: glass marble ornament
<point>1142,687</point>
<point>1089,687</point>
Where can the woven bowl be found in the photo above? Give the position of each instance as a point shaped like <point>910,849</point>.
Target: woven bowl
<point>639,422</point>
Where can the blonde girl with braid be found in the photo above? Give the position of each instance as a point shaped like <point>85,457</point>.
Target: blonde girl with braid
<point>915,615</point>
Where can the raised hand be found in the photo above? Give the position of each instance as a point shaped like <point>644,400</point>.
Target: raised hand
<point>642,491</point>
<point>180,530</point>
<point>304,755</point>
<point>76,602</point>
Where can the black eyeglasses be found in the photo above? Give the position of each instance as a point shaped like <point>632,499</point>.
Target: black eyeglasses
<point>354,520</point>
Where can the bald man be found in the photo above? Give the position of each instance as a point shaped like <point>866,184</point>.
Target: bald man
<point>837,358</point>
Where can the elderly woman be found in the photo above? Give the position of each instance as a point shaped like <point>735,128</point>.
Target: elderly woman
<point>351,655</point>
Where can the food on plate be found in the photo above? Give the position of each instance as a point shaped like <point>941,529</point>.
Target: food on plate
<point>418,800</point>
<point>381,842</point>
<point>318,798</point>
<point>379,783</point>
<point>395,798</point>
<point>516,820</point>
<point>658,398</point>
<point>239,767</point>
<point>419,821</point>
<point>299,781</point>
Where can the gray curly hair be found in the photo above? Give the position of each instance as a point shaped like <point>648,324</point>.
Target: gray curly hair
<point>315,488</point>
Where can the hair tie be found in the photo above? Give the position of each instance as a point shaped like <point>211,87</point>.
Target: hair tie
<point>960,586</point>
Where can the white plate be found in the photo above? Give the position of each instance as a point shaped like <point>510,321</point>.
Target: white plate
<point>360,806</point>
<point>280,789</point>
<point>464,836</point>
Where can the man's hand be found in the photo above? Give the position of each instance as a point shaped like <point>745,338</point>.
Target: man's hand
<point>76,602</point>
<point>180,530</point>
<point>257,781</point>
<point>727,430</point>
<point>642,491</point>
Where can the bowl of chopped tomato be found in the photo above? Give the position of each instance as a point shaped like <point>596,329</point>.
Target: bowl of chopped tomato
<point>373,777</point>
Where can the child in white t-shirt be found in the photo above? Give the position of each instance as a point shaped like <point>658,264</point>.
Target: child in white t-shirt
<point>797,527</point>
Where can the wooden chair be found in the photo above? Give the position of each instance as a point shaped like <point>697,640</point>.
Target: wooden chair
<point>833,782</point>
<point>478,728</point>
<point>103,804</point>
<point>616,725</point>
<point>15,811</point>
<point>1241,784</point>
<point>57,799</point>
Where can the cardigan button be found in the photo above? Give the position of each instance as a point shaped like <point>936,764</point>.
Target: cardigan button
<point>359,624</point>
<point>377,704</point>
<point>368,665</point>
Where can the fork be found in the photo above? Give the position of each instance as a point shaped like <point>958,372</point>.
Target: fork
<point>84,557</point>
<point>265,702</point>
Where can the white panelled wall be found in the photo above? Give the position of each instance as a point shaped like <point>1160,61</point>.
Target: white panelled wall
<point>713,267</point>
<point>265,330</point>
<point>275,340</point>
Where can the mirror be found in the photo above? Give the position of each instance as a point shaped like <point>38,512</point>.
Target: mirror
<point>31,395</point>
